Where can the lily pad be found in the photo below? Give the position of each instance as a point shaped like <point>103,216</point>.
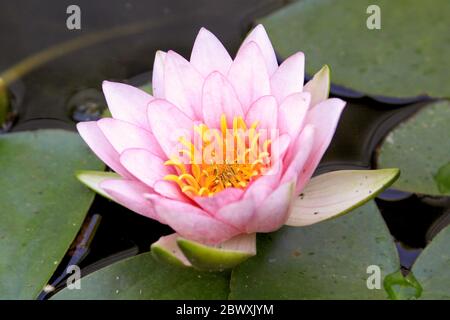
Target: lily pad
<point>143,277</point>
<point>420,147</point>
<point>42,206</point>
<point>328,260</point>
<point>431,268</point>
<point>406,57</point>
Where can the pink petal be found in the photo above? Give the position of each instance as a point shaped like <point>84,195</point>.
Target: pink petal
<point>279,148</point>
<point>219,98</point>
<point>303,147</point>
<point>260,37</point>
<point>292,113</point>
<point>131,194</point>
<point>96,140</point>
<point>264,110</point>
<point>158,74</point>
<point>259,189</point>
<point>220,199</point>
<point>127,103</point>
<point>319,86</point>
<point>273,211</point>
<point>193,223</point>
<point>237,214</point>
<point>289,77</point>
<point>123,135</point>
<point>248,75</point>
<point>208,54</point>
<point>168,124</point>
<point>182,85</point>
<point>263,186</point>
<point>144,165</point>
<point>324,117</point>
<point>169,189</point>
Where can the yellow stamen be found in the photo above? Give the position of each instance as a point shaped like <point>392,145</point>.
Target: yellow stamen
<point>244,159</point>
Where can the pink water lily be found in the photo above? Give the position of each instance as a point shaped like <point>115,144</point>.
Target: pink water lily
<point>211,203</point>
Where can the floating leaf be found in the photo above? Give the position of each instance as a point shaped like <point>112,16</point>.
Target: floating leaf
<point>336,193</point>
<point>143,277</point>
<point>328,260</point>
<point>42,206</point>
<point>431,268</point>
<point>420,147</point>
<point>407,57</point>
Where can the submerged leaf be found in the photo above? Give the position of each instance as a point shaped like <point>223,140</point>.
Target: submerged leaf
<point>420,147</point>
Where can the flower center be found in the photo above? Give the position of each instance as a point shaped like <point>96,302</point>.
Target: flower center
<point>220,159</point>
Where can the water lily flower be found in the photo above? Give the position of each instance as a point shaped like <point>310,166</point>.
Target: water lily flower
<point>223,149</point>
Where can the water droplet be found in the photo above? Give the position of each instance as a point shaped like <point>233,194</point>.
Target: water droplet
<point>49,288</point>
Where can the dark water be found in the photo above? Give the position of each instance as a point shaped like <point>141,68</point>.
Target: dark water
<point>47,96</point>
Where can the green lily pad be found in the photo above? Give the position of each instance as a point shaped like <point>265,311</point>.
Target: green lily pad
<point>420,147</point>
<point>432,267</point>
<point>143,277</point>
<point>328,260</point>
<point>407,57</point>
<point>42,206</point>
